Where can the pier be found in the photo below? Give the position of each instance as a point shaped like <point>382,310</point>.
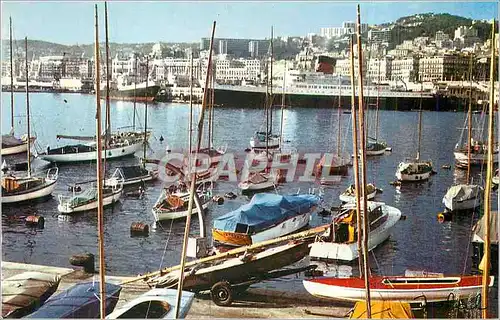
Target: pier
<point>255,303</point>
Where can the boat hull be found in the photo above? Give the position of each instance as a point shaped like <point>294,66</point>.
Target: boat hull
<point>413,177</point>
<point>475,159</point>
<point>92,155</point>
<point>468,204</point>
<point>351,289</point>
<point>45,191</point>
<point>106,201</point>
<point>14,149</point>
<point>349,251</point>
<point>241,239</point>
<point>161,215</point>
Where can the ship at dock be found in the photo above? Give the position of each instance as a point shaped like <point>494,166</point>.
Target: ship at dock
<point>126,89</point>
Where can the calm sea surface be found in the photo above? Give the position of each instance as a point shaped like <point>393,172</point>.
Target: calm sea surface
<point>419,242</point>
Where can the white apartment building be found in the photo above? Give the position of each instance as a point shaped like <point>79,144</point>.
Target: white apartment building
<point>233,71</point>
<point>343,67</point>
<point>405,69</point>
<point>379,69</point>
<point>383,35</point>
<point>441,36</point>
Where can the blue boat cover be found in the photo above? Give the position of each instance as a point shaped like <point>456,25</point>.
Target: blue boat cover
<point>265,210</point>
<point>79,301</point>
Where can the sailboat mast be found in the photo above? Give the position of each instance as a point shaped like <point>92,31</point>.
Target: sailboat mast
<point>355,152</point>
<point>469,120</point>
<point>420,122</point>
<point>266,106</point>
<point>108,112</point>
<point>27,108</point>
<point>193,180</point>
<point>212,109</point>
<point>338,121</point>
<point>377,102</point>
<point>190,133</point>
<point>282,108</point>
<point>487,191</point>
<point>145,142</point>
<point>271,86</point>
<point>100,222</point>
<point>11,79</point>
<point>135,89</point>
<point>363,167</point>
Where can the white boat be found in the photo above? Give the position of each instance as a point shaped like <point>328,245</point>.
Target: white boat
<point>267,216</point>
<point>349,194</point>
<point>12,145</point>
<point>341,244</point>
<point>87,199</point>
<point>479,155</point>
<point>154,304</point>
<point>171,206</point>
<point>19,189</point>
<point>258,181</point>
<point>404,289</point>
<point>463,197</point>
<point>375,148</point>
<point>258,141</point>
<point>414,170</point>
<point>121,146</point>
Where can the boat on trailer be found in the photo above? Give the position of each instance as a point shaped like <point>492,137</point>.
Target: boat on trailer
<point>79,301</point>
<point>25,292</point>
<point>404,289</point>
<point>266,217</point>
<point>339,242</point>
<point>157,303</point>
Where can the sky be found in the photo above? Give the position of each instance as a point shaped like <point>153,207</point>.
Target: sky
<point>68,22</point>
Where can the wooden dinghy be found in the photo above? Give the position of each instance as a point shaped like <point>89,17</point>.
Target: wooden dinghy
<point>25,292</point>
<point>79,301</point>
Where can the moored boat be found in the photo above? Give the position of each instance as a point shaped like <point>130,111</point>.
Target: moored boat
<point>13,145</point>
<point>266,217</point>
<point>258,181</point>
<point>260,140</point>
<point>414,170</point>
<point>404,289</point>
<point>134,174</point>
<point>87,199</point>
<point>25,292</point>
<point>349,195</point>
<point>339,241</point>
<point>463,197</point>
<point>79,301</point>
<point>174,205</point>
<point>26,188</point>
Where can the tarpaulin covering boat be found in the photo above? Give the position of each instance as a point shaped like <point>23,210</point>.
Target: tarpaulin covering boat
<point>383,310</point>
<point>79,301</point>
<point>463,197</point>
<point>23,293</point>
<point>256,221</point>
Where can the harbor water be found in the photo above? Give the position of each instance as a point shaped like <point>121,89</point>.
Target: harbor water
<point>418,242</point>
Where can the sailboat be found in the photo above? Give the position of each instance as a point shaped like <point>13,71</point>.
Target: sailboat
<point>23,188</point>
<point>340,164</point>
<point>94,299</point>
<point>465,196</point>
<point>93,197</point>
<point>10,143</point>
<point>265,140</point>
<point>415,170</point>
<point>116,144</point>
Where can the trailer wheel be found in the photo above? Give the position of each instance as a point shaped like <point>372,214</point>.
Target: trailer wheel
<point>221,294</point>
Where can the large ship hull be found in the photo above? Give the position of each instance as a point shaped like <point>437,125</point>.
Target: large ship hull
<point>240,96</point>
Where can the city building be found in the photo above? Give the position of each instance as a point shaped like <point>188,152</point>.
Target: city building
<point>234,71</point>
<point>383,35</point>
<point>240,48</point>
<point>343,67</point>
<point>351,27</point>
<point>379,69</point>
<point>447,67</point>
<point>441,36</point>
<point>405,69</point>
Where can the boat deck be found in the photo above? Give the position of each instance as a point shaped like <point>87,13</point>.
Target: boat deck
<point>255,303</point>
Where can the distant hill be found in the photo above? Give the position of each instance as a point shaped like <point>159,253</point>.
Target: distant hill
<point>426,25</point>
<point>45,48</point>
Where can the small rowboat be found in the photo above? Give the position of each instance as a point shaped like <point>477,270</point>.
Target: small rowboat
<point>404,289</point>
<point>79,301</point>
<point>23,293</point>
